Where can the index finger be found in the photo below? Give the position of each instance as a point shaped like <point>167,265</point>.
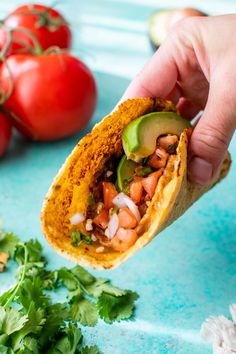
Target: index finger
<point>158,78</point>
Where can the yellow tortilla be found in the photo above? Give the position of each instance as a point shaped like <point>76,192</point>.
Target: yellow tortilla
<point>70,188</point>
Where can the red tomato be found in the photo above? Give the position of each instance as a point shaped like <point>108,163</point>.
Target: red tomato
<point>124,239</point>
<point>127,220</point>
<point>150,182</point>
<point>54,95</point>
<point>102,219</point>
<point>5,133</point>
<point>109,193</point>
<point>136,190</point>
<point>46,24</point>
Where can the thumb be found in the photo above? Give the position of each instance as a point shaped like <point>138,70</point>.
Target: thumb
<point>212,134</point>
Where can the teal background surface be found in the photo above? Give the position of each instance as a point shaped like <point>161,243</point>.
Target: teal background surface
<point>189,271</point>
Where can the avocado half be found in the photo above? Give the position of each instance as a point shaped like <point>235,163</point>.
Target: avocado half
<point>124,171</point>
<point>140,135</point>
<point>157,27</point>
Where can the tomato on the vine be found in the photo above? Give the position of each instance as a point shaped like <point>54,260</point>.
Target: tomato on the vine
<point>44,23</point>
<point>54,95</point>
<point>5,132</point>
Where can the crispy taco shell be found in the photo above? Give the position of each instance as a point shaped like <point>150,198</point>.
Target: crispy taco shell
<point>70,188</point>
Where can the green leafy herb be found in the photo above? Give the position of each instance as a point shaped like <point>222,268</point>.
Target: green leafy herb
<point>30,323</point>
<point>78,238</point>
<point>90,350</point>
<point>114,210</point>
<point>112,308</point>
<point>172,148</point>
<point>145,171</point>
<point>102,285</point>
<point>126,181</point>
<point>87,239</point>
<point>145,160</point>
<point>8,243</point>
<point>83,275</point>
<point>90,199</point>
<point>68,341</point>
<point>85,311</point>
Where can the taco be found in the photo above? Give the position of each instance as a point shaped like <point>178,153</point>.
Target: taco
<point>122,184</point>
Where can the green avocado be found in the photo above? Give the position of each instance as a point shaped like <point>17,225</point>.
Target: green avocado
<point>158,27</point>
<point>140,135</point>
<point>125,171</point>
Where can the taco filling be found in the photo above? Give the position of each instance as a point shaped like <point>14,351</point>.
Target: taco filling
<point>120,195</point>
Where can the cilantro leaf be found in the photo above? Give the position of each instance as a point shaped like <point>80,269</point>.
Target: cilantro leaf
<point>68,278</point>
<point>90,350</point>
<point>38,325</point>
<point>36,319</point>
<point>102,285</point>
<point>5,350</point>
<point>29,345</point>
<point>84,311</point>
<point>11,320</point>
<point>56,315</point>
<point>3,339</point>
<point>8,242</point>
<point>76,238</point>
<point>5,296</point>
<point>112,308</point>
<point>34,250</point>
<point>75,295</point>
<point>83,275</point>
<point>30,291</point>
<point>68,342</point>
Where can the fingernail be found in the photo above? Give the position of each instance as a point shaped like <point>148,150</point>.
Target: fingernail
<point>199,171</point>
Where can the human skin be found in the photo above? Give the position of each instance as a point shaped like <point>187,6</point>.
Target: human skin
<point>196,68</point>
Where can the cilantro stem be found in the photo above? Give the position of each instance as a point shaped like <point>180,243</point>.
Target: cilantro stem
<point>18,284</point>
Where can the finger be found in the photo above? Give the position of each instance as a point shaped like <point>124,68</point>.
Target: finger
<point>187,108</point>
<point>212,135</point>
<point>158,77</point>
<point>175,94</point>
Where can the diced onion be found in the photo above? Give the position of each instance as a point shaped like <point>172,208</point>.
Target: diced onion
<point>133,207</point>
<point>113,225</point>
<point>122,200</point>
<point>107,233</point>
<point>109,173</point>
<point>77,218</point>
<point>119,200</point>
<point>89,226</point>
<point>93,237</point>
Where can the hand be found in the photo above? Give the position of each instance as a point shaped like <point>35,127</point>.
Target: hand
<point>196,68</point>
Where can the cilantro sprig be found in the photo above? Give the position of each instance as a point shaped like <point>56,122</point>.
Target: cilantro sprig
<point>31,323</point>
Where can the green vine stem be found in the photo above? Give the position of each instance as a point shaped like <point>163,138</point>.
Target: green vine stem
<point>18,284</point>
<point>36,50</point>
<point>44,17</point>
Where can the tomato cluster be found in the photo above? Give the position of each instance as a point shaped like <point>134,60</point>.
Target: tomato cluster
<point>45,92</point>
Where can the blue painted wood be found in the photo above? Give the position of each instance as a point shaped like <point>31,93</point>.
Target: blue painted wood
<point>185,274</point>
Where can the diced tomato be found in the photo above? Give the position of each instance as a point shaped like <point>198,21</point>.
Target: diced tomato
<point>158,158</point>
<point>124,239</point>
<point>102,219</point>
<point>136,190</point>
<point>154,161</point>
<point>149,183</point>
<point>166,141</point>
<point>142,209</point>
<point>127,219</point>
<point>109,193</point>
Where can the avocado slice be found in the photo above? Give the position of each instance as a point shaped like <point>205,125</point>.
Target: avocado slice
<point>125,171</point>
<point>158,27</point>
<point>140,135</point>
